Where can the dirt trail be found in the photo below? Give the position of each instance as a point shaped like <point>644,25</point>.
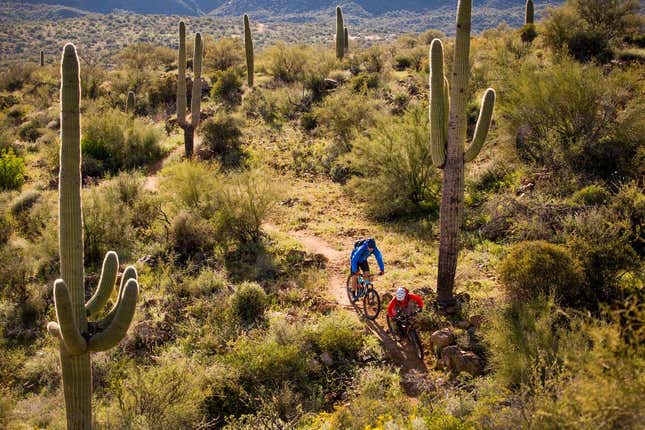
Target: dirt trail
<point>402,355</point>
<point>152,180</point>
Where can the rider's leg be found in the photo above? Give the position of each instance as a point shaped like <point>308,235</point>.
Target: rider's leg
<point>354,282</point>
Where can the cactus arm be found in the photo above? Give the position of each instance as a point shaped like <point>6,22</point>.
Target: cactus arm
<point>529,12</point>
<point>119,325</point>
<point>181,77</point>
<point>54,329</point>
<point>340,33</point>
<point>69,332</point>
<point>446,106</point>
<point>129,273</point>
<point>438,105</point>
<point>248,48</point>
<point>197,83</point>
<point>483,125</point>
<point>106,284</point>
<point>346,39</point>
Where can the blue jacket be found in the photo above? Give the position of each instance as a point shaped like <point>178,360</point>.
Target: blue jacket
<point>361,254</point>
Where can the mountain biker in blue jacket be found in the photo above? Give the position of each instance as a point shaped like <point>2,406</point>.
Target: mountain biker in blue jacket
<point>358,260</point>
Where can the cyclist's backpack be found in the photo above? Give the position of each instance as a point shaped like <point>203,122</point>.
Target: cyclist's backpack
<point>359,243</point>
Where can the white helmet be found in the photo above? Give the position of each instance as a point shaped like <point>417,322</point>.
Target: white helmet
<point>401,293</point>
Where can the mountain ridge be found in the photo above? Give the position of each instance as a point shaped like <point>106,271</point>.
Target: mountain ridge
<point>367,8</point>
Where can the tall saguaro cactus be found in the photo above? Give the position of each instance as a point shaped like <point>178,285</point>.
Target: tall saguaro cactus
<point>448,148</point>
<point>529,12</point>
<point>130,104</point>
<point>346,40</point>
<point>42,58</point>
<point>248,48</point>
<point>340,34</point>
<point>77,338</point>
<point>189,123</point>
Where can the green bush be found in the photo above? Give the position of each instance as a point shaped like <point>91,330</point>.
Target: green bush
<point>222,139</point>
<point>223,54</point>
<point>227,87</point>
<point>364,82</point>
<point>191,186</point>
<point>12,170</point>
<point>528,33</point>
<point>287,62</point>
<point>395,173</point>
<point>602,243</point>
<point>248,304</point>
<point>257,104</point>
<point>538,268</point>
<point>113,141</point>
<point>592,195</point>
<point>245,200</point>
<point>344,116</point>
<point>191,237</point>
<point>338,334</point>
<point>575,116</point>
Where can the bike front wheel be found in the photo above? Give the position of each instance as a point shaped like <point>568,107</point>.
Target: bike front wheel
<point>394,329</point>
<point>371,304</point>
<point>416,342</point>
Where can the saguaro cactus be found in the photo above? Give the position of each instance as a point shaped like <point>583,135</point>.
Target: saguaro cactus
<point>448,149</point>
<point>77,338</point>
<point>346,39</point>
<point>248,48</point>
<point>340,34</point>
<point>130,104</point>
<point>189,123</point>
<point>529,12</point>
<point>42,59</point>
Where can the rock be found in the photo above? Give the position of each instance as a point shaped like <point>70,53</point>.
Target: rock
<point>327,359</point>
<point>457,361</point>
<point>331,84</point>
<point>441,339</point>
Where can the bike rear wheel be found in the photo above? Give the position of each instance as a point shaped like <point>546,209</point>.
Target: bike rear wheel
<point>371,304</point>
<point>416,342</point>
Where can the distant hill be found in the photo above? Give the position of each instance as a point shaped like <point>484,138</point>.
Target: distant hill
<point>365,8</point>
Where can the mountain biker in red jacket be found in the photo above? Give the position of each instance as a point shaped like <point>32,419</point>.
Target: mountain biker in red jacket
<point>404,302</point>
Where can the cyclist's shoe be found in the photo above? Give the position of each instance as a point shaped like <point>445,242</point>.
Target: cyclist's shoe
<point>354,296</point>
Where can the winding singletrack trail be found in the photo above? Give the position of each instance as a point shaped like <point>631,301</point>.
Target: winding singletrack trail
<point>151,182</point>
<point>403,355</point>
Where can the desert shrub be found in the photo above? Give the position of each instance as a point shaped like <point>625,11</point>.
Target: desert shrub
<point>286,62</point>
<point>601,242</point>
<point>167,396</point>
<point>539,268</point>
<point>395,163</point>
<point>227,87</point>
<point>109,214</point>
<point>191,237</point>
<point>336,333</point>
<point>12,170</point>
<point>223,54</point>
<point>162,91</point>
<point>222,139</point>
<point>344,116</point>
<point>207,283</point>
<point>113,141</point>
<point>592,195</point>
<point>29,131</point>
<point>24,202</point>
<point>245,200</point>
<point>5,228</point>
<point>256,103</point>
<point>16,75</point>
<point>191,186</point>
<point>373,59</point>
<point>363,82</point>
<point>574,116</point>
<point>586,46</point>
<point>263,363</point>
<point>40,371</point>
<point>628,204</point>
<point>248,304</point>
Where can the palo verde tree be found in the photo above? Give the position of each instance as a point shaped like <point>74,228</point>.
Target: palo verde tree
<point>76,336</point>
<point>191,122</point>
<point>340,34</point>
<point>448,137</point>
<point>248,49</point>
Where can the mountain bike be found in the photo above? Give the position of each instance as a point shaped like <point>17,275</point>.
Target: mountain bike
<point>366,291</point>
<point>403,326</point>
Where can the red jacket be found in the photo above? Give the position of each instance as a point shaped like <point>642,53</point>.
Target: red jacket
<point>395,306</point>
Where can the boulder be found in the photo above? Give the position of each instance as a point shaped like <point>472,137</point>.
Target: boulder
<point>441,339</point>
<point>327,358</point>
<point>457,361</point>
